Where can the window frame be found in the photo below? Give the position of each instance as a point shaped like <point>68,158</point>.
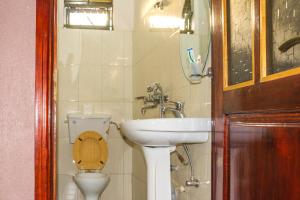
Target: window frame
<point>81,5</point>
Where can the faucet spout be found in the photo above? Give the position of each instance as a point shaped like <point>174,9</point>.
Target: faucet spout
<point>176,112</point>
<point>177,109</point>
<point>144,108</point>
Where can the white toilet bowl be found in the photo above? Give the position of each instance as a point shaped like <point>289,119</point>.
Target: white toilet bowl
<point>91,184</point>
<point>88,134</point>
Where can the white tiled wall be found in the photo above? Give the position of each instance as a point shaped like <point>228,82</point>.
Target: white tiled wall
<point>107,69</point>
<point>156,58</point>
<point>95,67</point>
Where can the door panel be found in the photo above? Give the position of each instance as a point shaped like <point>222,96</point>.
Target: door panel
<point>256,132</point>
<point>264,156</point>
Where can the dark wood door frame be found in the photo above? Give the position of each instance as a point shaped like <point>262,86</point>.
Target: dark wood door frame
<point>218,117</point>
<point>45,120</point>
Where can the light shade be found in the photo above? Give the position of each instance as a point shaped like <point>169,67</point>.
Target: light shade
<point>165,22</point>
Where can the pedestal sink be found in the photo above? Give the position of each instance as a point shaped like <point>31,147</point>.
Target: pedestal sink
<point>158,138</point>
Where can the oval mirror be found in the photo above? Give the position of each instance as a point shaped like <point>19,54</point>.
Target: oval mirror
<point>195,39</point>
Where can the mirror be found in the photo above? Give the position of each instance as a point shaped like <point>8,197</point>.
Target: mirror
<point>195,40</point>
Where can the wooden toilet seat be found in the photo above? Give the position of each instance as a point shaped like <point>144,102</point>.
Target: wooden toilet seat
<point>90,151</point>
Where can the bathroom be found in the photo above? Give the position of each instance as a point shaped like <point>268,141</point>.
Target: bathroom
<point>150,100</point>
<point>102,71</point>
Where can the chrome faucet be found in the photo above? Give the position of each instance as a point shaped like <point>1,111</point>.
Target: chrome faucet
<point>177,109</point>
<point>156,97</point>
<point>144,108</point>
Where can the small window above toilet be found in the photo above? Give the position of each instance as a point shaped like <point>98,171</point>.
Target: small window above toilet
<point>89,14</point>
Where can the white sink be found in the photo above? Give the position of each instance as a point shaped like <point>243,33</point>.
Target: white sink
<point>158,138</point>
<point>167,131</point>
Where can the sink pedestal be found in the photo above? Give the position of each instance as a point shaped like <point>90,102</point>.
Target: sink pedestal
<point>158,172</point>
<point>158,138</point>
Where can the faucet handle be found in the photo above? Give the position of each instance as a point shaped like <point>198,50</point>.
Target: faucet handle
<point>141,98</point>
<point>150,88</point>
<point>178,104</point>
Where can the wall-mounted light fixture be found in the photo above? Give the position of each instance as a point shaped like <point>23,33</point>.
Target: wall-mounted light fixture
<point>187,14</point>
<point>165,22</point>
<point>159,17</point>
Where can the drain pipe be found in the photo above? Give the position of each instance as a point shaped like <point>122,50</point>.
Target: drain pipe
<point>192,182</point>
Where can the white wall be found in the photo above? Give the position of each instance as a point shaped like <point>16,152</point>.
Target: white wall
<point>95,67</point>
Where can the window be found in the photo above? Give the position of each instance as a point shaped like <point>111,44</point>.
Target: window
<point>89,14</point>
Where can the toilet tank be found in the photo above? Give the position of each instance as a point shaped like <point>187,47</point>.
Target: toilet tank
<point>79,123</point>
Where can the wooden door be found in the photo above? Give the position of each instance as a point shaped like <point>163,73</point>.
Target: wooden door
<point>256,100</point>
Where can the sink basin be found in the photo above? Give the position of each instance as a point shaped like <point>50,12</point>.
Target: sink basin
<point>167,131</point>
<point>158,138</point>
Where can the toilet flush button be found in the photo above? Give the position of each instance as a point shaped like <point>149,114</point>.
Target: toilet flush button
<point>74,122</point>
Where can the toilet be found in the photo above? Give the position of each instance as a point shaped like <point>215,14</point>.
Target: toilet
<point>88,134</point>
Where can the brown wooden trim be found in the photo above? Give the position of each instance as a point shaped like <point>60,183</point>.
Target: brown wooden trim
<point>263,49</point>
<point>217,99</point>
<point>226,86</point>
<point>226,162</point>
<point>45,121</point>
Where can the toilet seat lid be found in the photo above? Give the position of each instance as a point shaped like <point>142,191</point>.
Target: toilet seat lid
<point>90,151</point>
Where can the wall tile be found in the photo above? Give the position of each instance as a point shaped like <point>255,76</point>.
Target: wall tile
<point>113,84</point>
<point>199,109</point>
<point>91,50</point>
<point>113,48</point>
<point>123,18</point>
<point>96,106</point>
<point>183,196</point>
<point>68,80</point>
<point>202,167</point>
<point>65,163</point>
<point>181,94</point>
<point>69,46</point>
<point>90,84</point>
<point>145,42</point>
<point>127,111</point>
<point>127,149</point>
<point>127,60</point>
<point>139,167</point>
<point>201,92</point>
<point>127,187</point>
<point>114,163</point>
<point>60,14</point>
<point>139,83</point>
<point>140,189</point>
<point>114,189</point>
<point>117,110</point>
<point>203,191</point>
<point>127,84</point>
